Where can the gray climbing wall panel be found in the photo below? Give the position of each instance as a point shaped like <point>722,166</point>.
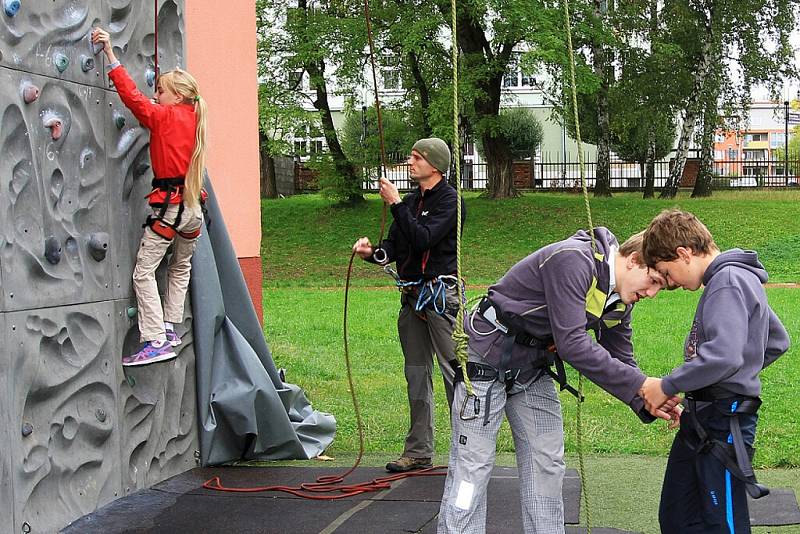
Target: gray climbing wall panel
<point>6,497</point>
<point>76,431</point>
<point>157,413</point>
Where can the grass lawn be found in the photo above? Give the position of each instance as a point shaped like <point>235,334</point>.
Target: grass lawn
<point>306,247</point>
<point>304,328</point>
<point>307,240</point>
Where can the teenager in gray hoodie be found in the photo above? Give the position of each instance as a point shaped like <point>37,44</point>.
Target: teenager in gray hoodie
<point>547,301</point>
<point>734,335</point>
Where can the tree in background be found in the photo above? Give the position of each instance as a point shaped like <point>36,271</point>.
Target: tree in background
<point>523,130</point>
<point>361,143</point>
<point>726,46</point>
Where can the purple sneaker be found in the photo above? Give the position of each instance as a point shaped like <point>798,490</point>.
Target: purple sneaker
<point>173,338</point>
<point>149,354</point>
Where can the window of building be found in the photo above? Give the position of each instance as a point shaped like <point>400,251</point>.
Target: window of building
<point>777,140</point>
<point>719,138</point>
<point>514,76</point>
<point>390,73</point>
<point>755,137</point>
<point>316,146</point>
<point>731,153</point>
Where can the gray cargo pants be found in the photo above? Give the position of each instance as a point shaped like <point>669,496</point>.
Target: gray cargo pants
<point>534,413</point>
<point>152,250</point>
<point>420,339</point>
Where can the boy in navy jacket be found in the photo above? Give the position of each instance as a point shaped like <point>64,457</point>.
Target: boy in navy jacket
<point>735,334</point>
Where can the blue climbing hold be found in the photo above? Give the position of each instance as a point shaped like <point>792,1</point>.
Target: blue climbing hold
<point>61,61</point>
<point>132,312</point>
<point>11,7</point>
<point>151,77</point>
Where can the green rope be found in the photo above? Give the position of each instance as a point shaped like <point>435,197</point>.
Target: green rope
<point>460,338</point>
<point>581,165</point>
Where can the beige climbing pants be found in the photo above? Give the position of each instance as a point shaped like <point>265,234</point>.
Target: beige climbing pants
<point>152,250</point>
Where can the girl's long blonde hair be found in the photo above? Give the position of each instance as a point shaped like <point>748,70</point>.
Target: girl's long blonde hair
<point>183,84</point>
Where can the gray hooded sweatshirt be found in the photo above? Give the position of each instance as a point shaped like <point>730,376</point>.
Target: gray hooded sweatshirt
<point>735,333</point>
<point>559,292</point>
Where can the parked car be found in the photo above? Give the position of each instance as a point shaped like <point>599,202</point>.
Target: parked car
<point>744,181</point>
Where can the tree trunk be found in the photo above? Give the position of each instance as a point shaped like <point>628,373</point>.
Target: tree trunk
<point>499,167</point>
<point>650,170</point>
<point>269,187</point>
<point>316,73</point>
<point>690,120</point>
<point>705,176</point>
<point>423,91</point>
<point>343,166</point>
<point>480,56</point>
<point>602,187</point>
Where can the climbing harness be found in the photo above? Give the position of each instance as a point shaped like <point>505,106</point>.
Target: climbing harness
<point>734,454</point>
<point>166,192</point>
<point>431,293</point>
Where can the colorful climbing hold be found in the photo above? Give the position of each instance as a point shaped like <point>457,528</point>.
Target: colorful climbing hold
<point>132,312</point>
<point>61,61</point>
<point>11,7</point>
<point>119,120</point>
<point>150,75</point>
<point>29,92</point>
<point>56,125</point>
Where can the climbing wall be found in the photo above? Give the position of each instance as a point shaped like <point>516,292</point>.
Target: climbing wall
<point>76,431</point>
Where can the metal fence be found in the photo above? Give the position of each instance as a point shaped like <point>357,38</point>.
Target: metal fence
<point>559,175</point>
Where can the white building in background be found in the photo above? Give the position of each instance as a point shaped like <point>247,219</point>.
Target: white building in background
<point>520,90</point>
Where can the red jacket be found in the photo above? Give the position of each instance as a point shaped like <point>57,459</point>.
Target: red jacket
<point>172,131</point>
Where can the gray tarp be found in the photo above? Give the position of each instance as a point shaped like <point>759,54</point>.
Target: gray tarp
<point>244,409</point>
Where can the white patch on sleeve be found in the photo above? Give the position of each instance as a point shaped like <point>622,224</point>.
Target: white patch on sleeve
<point>464,497</point>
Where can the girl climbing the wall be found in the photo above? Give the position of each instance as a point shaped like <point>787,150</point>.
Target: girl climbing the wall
<point>176,118</point>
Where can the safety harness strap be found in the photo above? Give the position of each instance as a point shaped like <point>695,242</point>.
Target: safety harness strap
<point>492,314</point>
<point>733,456</point>
<point>560,376</point>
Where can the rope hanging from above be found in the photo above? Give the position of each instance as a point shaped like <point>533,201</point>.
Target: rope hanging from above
<point>460,338</point>
<point>581,166</point>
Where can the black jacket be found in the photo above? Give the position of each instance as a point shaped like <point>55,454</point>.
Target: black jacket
<point>422,238</point>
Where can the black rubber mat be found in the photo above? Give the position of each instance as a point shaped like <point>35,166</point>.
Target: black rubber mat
<point>411,505</point>
<point>776,509</point>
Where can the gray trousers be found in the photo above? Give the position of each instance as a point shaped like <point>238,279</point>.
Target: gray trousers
<point>420,339</point>
<point>152,250</point>
<point>534,413</point>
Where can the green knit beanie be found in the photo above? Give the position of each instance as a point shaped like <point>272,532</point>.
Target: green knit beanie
<point>435,151</point>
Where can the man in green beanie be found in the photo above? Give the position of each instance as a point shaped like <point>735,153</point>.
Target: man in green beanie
<point>422,243</point>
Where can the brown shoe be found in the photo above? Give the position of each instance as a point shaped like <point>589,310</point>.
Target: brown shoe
<point>405,463</point>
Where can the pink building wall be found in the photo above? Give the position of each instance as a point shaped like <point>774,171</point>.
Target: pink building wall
<point>221,54</point>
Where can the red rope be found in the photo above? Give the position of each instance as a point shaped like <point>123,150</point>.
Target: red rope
<point>330,484</point>
<point>155,55</point>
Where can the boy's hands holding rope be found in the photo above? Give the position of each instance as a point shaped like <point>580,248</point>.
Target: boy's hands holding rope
<point>659,404</point>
